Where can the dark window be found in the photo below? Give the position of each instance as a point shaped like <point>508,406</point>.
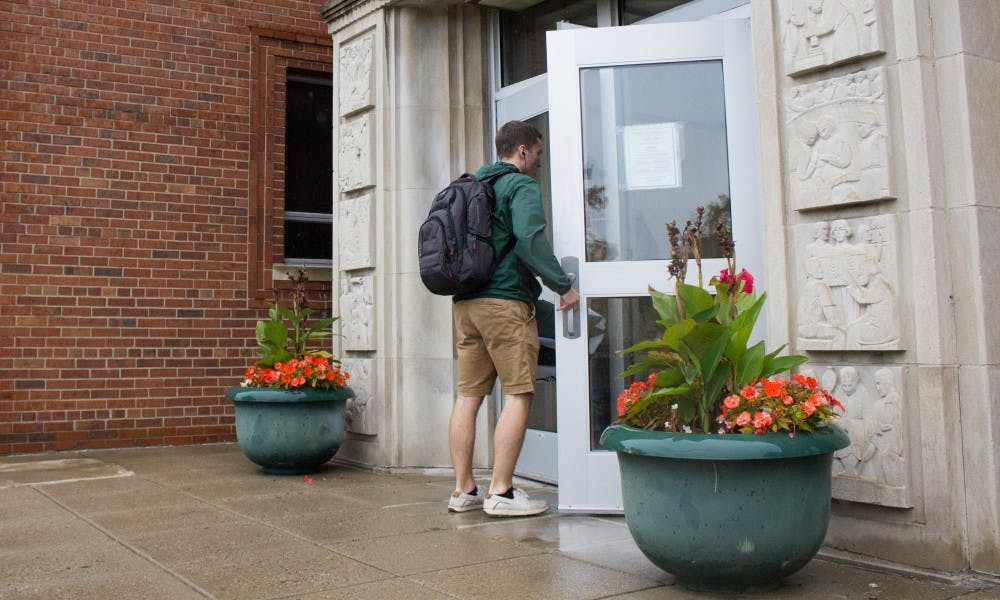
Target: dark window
<point>522,35</point>
<point>632,11</point>
<point>308,167</point>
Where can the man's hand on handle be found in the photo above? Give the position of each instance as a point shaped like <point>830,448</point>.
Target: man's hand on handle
<point>569,300</point>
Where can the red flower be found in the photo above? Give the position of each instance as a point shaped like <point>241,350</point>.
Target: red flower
<point>761,420</point>
<point>747,280</point>
<point>749,392</point>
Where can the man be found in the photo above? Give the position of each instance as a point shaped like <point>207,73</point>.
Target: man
<point>496,327</point>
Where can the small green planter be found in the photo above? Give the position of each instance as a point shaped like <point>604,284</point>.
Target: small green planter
<point>289,432</point>
<point>726,513</point>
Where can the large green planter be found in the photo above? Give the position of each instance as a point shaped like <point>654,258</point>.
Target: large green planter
<point>726,512</point>
<point>289,432</point>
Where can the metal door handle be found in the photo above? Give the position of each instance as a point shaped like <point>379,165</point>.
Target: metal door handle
<point>571,317</point>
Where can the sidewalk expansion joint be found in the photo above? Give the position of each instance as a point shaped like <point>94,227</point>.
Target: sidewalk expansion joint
<point>137,551</point>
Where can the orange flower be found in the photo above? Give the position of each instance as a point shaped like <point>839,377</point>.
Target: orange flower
<point>808,408</point>
<point>809,382</point>
<point>772,388</point>
<point>749,392</point>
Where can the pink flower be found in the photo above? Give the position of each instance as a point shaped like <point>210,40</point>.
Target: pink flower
<point>761,420</point>
<point>731,402</point>
<point>747,279</point>
<point>743,419</point>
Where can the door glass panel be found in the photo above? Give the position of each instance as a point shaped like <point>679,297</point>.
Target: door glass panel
<point>542,416</point>
<point>654,148</point>
<point>613,324</point>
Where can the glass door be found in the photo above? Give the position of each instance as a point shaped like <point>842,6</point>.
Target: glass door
<point>647,123</point>
<point>528,101</point>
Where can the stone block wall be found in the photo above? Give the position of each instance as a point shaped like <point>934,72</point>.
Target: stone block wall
<point>876,218</point>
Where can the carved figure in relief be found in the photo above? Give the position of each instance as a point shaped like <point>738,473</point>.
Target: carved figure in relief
<point>877,324</point>
<point>812,25</point>
<point>355,237</point>
<point>890,441</point>
<point>846,300</point>
<point>819,317</point>
<point>839,151</point>
<point>358,410</point>
<point>360,308</point>
<point>355,74</point>
<point>821,240</point>
<point>855,459</point>
<point>871,151</point>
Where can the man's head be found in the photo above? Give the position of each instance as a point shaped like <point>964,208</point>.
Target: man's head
<point>520,144</point>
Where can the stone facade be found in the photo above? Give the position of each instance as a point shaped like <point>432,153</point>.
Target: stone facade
<point>876,123</point>
<point>863,106</point>
<point>412,114</point>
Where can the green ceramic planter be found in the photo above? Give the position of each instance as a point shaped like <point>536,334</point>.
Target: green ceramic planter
<point>726,512</point>
<point>289,432</point>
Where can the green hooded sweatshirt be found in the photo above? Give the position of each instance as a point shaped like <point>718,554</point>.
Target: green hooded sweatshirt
<point>519,240</point>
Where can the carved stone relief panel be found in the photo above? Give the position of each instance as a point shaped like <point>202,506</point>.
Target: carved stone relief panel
<point>356,80</point>
<point>873,469</point>
<point>836,141</point>
<point>355,239</point>
<point>360,409</point>
<point>357,313</point>
<point>356,156</point>
<point>847,285</point>
<point>820,33</point>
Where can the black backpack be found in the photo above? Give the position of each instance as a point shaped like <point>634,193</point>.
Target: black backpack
<point>454,248</point>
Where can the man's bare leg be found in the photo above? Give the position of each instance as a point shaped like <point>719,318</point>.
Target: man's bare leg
<point>462,440</point>
<point>507,440</point>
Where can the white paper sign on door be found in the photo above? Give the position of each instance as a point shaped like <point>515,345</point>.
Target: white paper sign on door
<point>652,155</point>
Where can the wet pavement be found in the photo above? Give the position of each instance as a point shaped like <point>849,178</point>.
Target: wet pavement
<point>203,522</point>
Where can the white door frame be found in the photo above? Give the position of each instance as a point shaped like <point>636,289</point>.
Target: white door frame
<point>591,480</point>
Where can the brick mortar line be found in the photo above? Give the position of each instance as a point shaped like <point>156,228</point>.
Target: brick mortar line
<point>138,552</point>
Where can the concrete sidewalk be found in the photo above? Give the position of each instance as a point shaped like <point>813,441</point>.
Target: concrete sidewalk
<point>203,522</point>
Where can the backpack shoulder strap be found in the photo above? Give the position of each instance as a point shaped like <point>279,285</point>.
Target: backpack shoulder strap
<point>490,181</point>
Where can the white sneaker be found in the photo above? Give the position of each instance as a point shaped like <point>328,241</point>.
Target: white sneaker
<point>518,506</point>
<point>462,502</point>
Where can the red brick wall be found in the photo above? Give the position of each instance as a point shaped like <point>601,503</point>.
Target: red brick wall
<point>138,217</point>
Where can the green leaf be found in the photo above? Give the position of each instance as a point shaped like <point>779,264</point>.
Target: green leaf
<point>648,345</point>
<point>318,328</point>
<point>686,408</point>
<point>741,329</point>
<point>665,305</point>
<point>669,378</point>
<point>782,364</point>
<point>749,366</point>
<point>286,313</point>
<point>673,335</point>
<point>694,299</point>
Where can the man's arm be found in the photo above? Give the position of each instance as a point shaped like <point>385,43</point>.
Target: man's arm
<point>532,246</point>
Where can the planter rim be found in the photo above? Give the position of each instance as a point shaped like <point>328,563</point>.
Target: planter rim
<point>732,446</point>
<point>281,395</point>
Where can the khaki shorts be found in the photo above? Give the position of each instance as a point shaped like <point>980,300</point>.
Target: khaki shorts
<point>496,337</point>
